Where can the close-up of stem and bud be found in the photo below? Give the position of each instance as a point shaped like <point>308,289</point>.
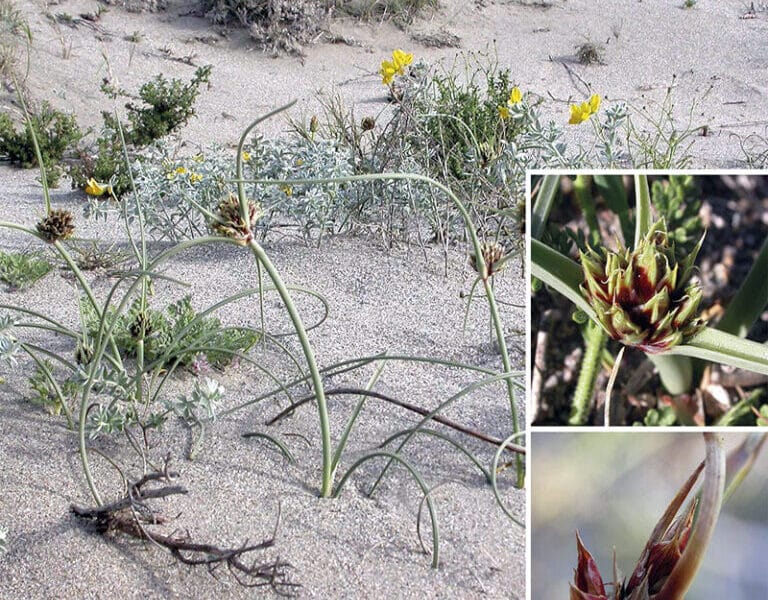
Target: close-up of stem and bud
<point>686,529</point>
<point>673,553</point>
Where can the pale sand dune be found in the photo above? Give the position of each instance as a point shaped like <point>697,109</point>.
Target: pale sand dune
<point>348,547</point>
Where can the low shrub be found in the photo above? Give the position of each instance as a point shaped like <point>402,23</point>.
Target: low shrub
<point>56,132</point>
<point>275,25</point>
<point>165,107</point>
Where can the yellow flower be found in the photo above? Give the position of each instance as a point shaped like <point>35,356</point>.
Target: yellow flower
<point>246,156</point>
<point>299,162</point>
<point>93,188</point>
<point>287,189</point>
<point>198,158</point>
<point>387,72</point>
<point>396,66</point>
<point>594,103</point>
<point>195,178</point>
<point>401,59</point>
<point>503,112</point>
<point>582,112</point>
<point>180,171</point>
<point>515,96</point>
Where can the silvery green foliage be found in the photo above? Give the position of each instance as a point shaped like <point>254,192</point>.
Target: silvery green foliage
<point>114,412</point>
<point>106,420</point>
<point>201,404</point>
<point>316,208</point>
<point>9,345</point>
<point>612,150</point>
<point>3,539</point>
<point>174,193</point>
<point>170,190</point>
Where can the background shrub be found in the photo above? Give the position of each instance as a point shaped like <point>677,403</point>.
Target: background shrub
<point>56,132</point>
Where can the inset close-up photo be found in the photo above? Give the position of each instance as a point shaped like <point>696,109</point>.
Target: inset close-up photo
<point>649,515</point>
<point>649,299</point>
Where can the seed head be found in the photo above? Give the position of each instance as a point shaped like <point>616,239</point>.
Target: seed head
<point>230,222</point>
<point>643,297</point>
<point>59,224</point>
<point>493,257</point>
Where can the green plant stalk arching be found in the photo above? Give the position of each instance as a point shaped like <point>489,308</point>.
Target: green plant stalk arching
<point>489,293</point>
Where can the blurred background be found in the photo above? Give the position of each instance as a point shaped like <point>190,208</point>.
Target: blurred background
<point>613,488</point>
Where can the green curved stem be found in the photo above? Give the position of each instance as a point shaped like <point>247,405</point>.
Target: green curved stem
<point>683,573</point>
<point>430,506</point>
<point>643,215</point>
<point>471,231</point>
<point>440,435</point>
<point>494,468</point>
<point>317,382</point>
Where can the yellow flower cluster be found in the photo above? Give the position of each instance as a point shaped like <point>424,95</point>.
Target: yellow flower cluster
<point>582,112</point>
<point>93,188</point>
<point>177,171</point>
<point>396,66</point>
<point>515,97</point>
<point>195,178</point>
<point>246,156</point>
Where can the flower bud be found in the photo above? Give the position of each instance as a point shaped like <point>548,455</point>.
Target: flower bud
<point>643,297</point>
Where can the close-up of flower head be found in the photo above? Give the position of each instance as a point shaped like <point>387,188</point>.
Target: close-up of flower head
<point>647,290</point>
<point>643,298</point>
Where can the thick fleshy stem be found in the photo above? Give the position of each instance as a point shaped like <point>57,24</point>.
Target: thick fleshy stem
<point>681,577</point>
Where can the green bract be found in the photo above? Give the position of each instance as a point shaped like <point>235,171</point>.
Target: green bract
<point>643,297</point>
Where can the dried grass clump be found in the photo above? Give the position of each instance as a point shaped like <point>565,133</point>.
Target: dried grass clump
<point>138,6</point>
<point>275,25</point>
<point>13,31</point>
<point>590,53</point>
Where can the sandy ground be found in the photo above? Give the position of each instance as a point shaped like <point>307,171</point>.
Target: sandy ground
<point>715,60</point>
<point>347,547</point>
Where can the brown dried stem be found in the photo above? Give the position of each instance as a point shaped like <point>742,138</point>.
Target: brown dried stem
<point>131,514</point>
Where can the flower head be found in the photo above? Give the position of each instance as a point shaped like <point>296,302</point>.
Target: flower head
<point>503,112</point>
<point>230,222</point>
<point>93,188</point>
<point>396,66</point>
<point>387,72</point>
<point>246,156</point>
<point>195,178</point>
<point>493,257</point>
<point>582,112</point>
<point>515,96</point>
<point>643,297</point>
<point>59,224</point>
<point>661,554</point>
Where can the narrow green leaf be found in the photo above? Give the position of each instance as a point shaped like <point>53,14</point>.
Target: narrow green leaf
<point>750,300</point>
<point>725,348</point>
<point>560,273</point>
<point>544,202</point>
